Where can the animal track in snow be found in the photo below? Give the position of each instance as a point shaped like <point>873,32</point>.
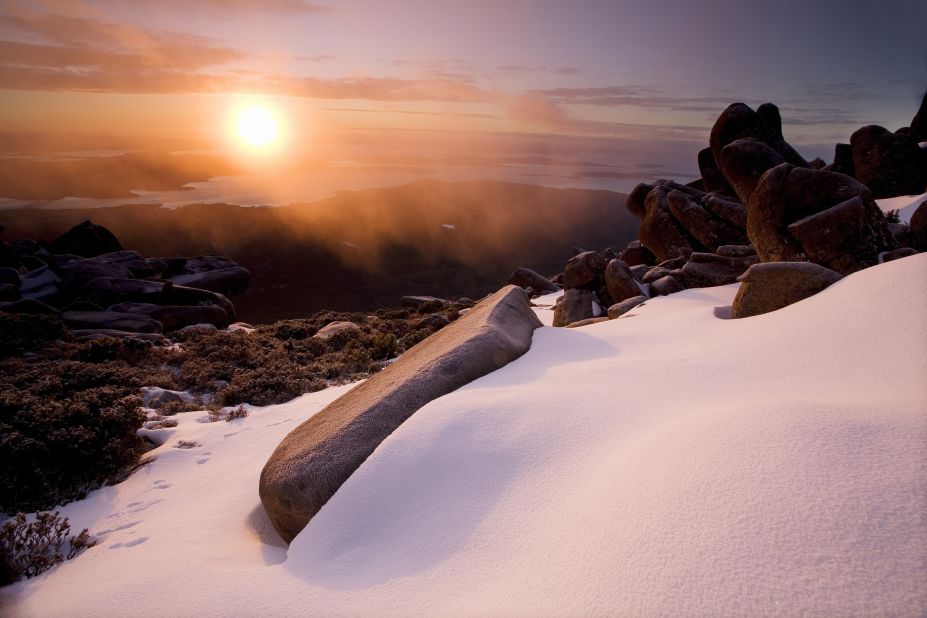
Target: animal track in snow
<point>131,543</point>
<point>204,458</point>
<point>125,526</point>
<point>161,484</point>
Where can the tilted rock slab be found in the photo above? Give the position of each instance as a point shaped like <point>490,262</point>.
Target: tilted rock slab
<point>316,458</point>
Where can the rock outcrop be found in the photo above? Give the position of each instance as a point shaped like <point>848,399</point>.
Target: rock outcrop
<point>890,164</point>
<point>317,457</point>
<point>774,285</point>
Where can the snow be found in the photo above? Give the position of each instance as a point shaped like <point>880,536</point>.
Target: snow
<point>665,463</point>
<point>905,205</point>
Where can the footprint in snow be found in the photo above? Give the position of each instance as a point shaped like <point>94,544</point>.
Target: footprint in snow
<point>131,543</point>
<point>125,526</point>
<point>161,484</point>
<point>204,458</point>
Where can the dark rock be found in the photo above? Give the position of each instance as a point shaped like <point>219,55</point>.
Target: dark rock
<point>897,254</point>
<point>901,233</point>
<point>10,276</point>
<point>712,178</point>
<point>85,305</point>
<point>738,121</point>
<point>619,309</point>
<point>919,125</point>
<point>787,195</point>
<point>817,163</point>
<point>86,240</point>
<point>105,291</point>
<point>636,254</point>
<point>656,272</point>
<point>637,198</point>
<point>525,278</point>
<point>78,273</point>
<point>9,292</point>
<point>726,209</point>
<point>41,284</point>
<point>773,285</point>
<point>665,286</point>
<point>313,461</point>
<point>424,304</point>
<point>336,328</point>
<point>175,317</point>
<point>744,161</point>
<point>582,323</point>
<point>609,254</point>
<point>32,262</point>
<point>707,229</point>
<point>226,281</point>
<point>619,282</point>
<point>888,163</point>
<point>111,320</point>
<point>674,263</point>
<point>28,306</point>
<point>169,266</point>
<point>918,227</point>
<point>736,250</point>
<point>576,304</point>
<point>154,397</point>
<point>90,334</point>
<point>837,237</point>
<point>704,270</point>
<point>434,321</point>
<point>843,160</point>
<point>639,271</point>
<point>132,260</point>
<point>659,231</point>
<point>583,270</point>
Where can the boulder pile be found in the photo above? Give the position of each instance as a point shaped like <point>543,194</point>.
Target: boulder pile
<point>760,214</point>
<point>98,288</point>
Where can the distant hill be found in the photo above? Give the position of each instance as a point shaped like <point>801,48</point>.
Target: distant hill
<point>364,249</point>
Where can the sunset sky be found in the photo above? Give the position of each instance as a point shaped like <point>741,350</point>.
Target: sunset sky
<point>650,69</point>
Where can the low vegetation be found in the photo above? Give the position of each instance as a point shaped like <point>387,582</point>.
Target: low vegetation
<point>31,547</point>
<point>70,410</point>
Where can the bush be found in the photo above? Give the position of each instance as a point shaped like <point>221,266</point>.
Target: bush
<point>56,450</point>
<point>23,332</point>
<point>30,548</point>
<point>892,216</point>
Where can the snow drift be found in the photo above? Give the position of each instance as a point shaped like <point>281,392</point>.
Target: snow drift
<point>667,462</point>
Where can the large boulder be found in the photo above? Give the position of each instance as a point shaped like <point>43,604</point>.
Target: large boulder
<point>41,284</point>
<point>619,282</point>
<point>733,212</point>
<point>738,121</point>
<point>619,309</point>
<point>106,291</point>
<point>527,278</point>
<point>111,320</point>
<point>175,317</point>
<point>712,177</point>
<point>744,161</point>
<point>700,223</point>
<point>774,285</point>
<point>575,305</point>
<point>317,457</point>
<point>76,273</point>
<point>918,227</point>
<point>86,239</point>
<point>227,281</point>
<point>636,254</point>
<point>132,260</point>
<point>919,124</point>
<point>843,160</point>
<point>583,270</point>
<point>664,286</point>
<point>659,230</point>
<point>705,270</point>
<point>890,164</point>
<point>788,195</point>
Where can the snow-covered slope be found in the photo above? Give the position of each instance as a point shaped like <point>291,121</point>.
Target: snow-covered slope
<point>669,462</point>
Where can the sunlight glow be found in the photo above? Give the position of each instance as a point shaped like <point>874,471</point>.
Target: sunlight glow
<point>256,127</point>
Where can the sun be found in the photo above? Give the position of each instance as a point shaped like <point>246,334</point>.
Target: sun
<point>256,127</point>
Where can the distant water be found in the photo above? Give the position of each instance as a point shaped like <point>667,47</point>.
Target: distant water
<point>390,160</point>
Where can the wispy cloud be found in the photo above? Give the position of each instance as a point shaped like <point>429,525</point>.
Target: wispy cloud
<point>229,7</point>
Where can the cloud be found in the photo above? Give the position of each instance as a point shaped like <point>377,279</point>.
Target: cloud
<point>411,112</point>
<point>632,96</point>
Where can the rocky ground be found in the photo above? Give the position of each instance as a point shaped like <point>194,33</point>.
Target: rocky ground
<point>760,214</point>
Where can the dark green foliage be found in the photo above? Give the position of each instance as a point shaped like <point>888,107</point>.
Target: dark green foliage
<point>29,548</point>
<point>53,450</point>
<point>69,413</point>
<point>892,216</point>
<point>23,332</point>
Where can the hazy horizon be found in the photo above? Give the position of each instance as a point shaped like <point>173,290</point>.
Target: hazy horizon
<point>357,94</point>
